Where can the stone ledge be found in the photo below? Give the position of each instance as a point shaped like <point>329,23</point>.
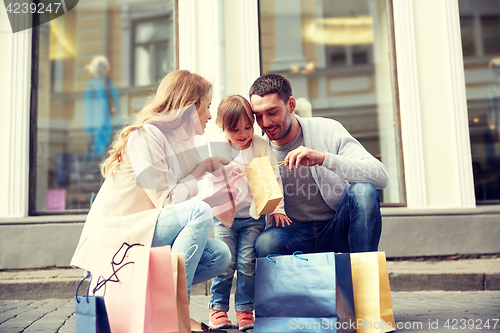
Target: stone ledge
<point>36,289</point>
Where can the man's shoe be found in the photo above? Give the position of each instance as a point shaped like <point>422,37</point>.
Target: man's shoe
<point>245,320</point>
<point>219,319</point>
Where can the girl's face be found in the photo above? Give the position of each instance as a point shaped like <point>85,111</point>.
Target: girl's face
<point>204,113</point>
<point>242,134</point>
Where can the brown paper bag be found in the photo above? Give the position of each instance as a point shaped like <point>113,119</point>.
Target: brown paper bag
<point>263,184</point>
<point>180,283</point>
<point>372,293</point>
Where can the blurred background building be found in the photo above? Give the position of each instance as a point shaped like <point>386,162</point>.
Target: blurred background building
<point>417,82</point>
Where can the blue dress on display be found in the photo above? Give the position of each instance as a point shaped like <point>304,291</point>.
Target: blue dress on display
<point>102,113</point>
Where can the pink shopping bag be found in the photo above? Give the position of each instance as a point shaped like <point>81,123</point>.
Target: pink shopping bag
<point>140,294</point>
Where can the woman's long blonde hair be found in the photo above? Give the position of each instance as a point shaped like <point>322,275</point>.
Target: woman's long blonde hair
<point>178,90</point>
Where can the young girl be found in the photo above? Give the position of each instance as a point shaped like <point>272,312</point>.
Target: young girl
<point>240,226</point>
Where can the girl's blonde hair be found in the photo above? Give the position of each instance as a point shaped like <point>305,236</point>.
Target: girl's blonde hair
<point>231,109</point>
<point>176,92</point>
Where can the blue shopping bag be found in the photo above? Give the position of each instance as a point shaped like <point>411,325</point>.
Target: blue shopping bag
<point>304,293</point>
<point>90,312</point>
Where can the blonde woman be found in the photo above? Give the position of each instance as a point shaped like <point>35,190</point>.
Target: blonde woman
<point>152,172</point>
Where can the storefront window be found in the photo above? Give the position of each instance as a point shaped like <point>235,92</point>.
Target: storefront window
<point>480,25</point>
<point>95,65</point>
<point>337,55</point>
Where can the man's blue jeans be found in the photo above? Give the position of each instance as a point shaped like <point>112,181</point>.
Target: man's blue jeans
<point>355,227</point>
<point>186,226</point>
<point>240,239</point>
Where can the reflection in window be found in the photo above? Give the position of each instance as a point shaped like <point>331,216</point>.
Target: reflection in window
<point>153,57</point>
<point>480,27</point>
<point>490,27</point>
<point>96,66</point>
<point>334,52</point>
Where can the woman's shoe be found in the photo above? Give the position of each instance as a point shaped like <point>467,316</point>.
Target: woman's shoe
<point>206,328</point>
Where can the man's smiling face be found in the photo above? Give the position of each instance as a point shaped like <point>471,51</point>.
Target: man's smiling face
<point>273,116</point>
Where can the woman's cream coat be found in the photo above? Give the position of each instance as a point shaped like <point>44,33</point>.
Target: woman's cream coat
<point>126,210</point>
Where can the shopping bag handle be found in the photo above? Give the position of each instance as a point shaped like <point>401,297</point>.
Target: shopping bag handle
<point>113,263</point>
<point>281,255</point>
<point>278,164</point>
<point>89,275</point>
<point>102,281</point>
<point>114,277</point>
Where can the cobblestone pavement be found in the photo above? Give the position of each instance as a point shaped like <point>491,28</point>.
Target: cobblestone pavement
<point>431,311</point>
<point>438,311</point>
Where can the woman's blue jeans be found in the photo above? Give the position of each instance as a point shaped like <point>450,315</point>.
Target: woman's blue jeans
<point>240,239</point>
<point>355,227</point>
<point>186,226</point>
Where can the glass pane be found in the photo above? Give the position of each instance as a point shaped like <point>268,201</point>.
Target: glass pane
<point>153,57</point>
<point>482,78</point>
<point>334,52</point>
<point>163,60</point>
<point>88,61</point>
<point>151,31</point>
<point>142,66</point>
<point>490,26</point>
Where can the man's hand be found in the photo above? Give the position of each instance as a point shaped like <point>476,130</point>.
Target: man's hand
<point>303,156</point>
<point>280,219</point>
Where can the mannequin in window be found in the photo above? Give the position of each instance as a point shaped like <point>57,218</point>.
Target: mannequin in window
<point>102,109</point>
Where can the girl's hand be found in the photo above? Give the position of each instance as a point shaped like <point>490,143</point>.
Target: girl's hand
<point>230,172</point>
<point>224,195</point>
<point>280,219</point>
<point>238,170</point>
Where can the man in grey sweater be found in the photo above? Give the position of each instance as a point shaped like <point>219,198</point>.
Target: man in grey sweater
<point>329,179</point>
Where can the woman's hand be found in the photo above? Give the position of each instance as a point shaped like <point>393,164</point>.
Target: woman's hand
<point>216,163</point>
<point>280,219</point>
<point>211,165</point>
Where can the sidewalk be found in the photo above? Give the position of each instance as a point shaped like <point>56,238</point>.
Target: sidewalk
<point>450,275</point>
<point>417,311</point>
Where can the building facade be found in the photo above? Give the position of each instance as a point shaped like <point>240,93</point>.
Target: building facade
<point>416,82</point>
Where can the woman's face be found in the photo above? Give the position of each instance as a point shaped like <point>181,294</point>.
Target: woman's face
<point>204,114</point>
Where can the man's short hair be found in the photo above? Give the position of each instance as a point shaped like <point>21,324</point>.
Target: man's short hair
<point>272,84</point>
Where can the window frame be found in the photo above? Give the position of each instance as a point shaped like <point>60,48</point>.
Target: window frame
<point>33,111</point>
<point>478,57</point>
<point>396,100</point>
<point>134,45</point>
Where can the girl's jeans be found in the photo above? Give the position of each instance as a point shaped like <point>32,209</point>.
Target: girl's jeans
<point>186,226</point>
<point>240,239</point>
